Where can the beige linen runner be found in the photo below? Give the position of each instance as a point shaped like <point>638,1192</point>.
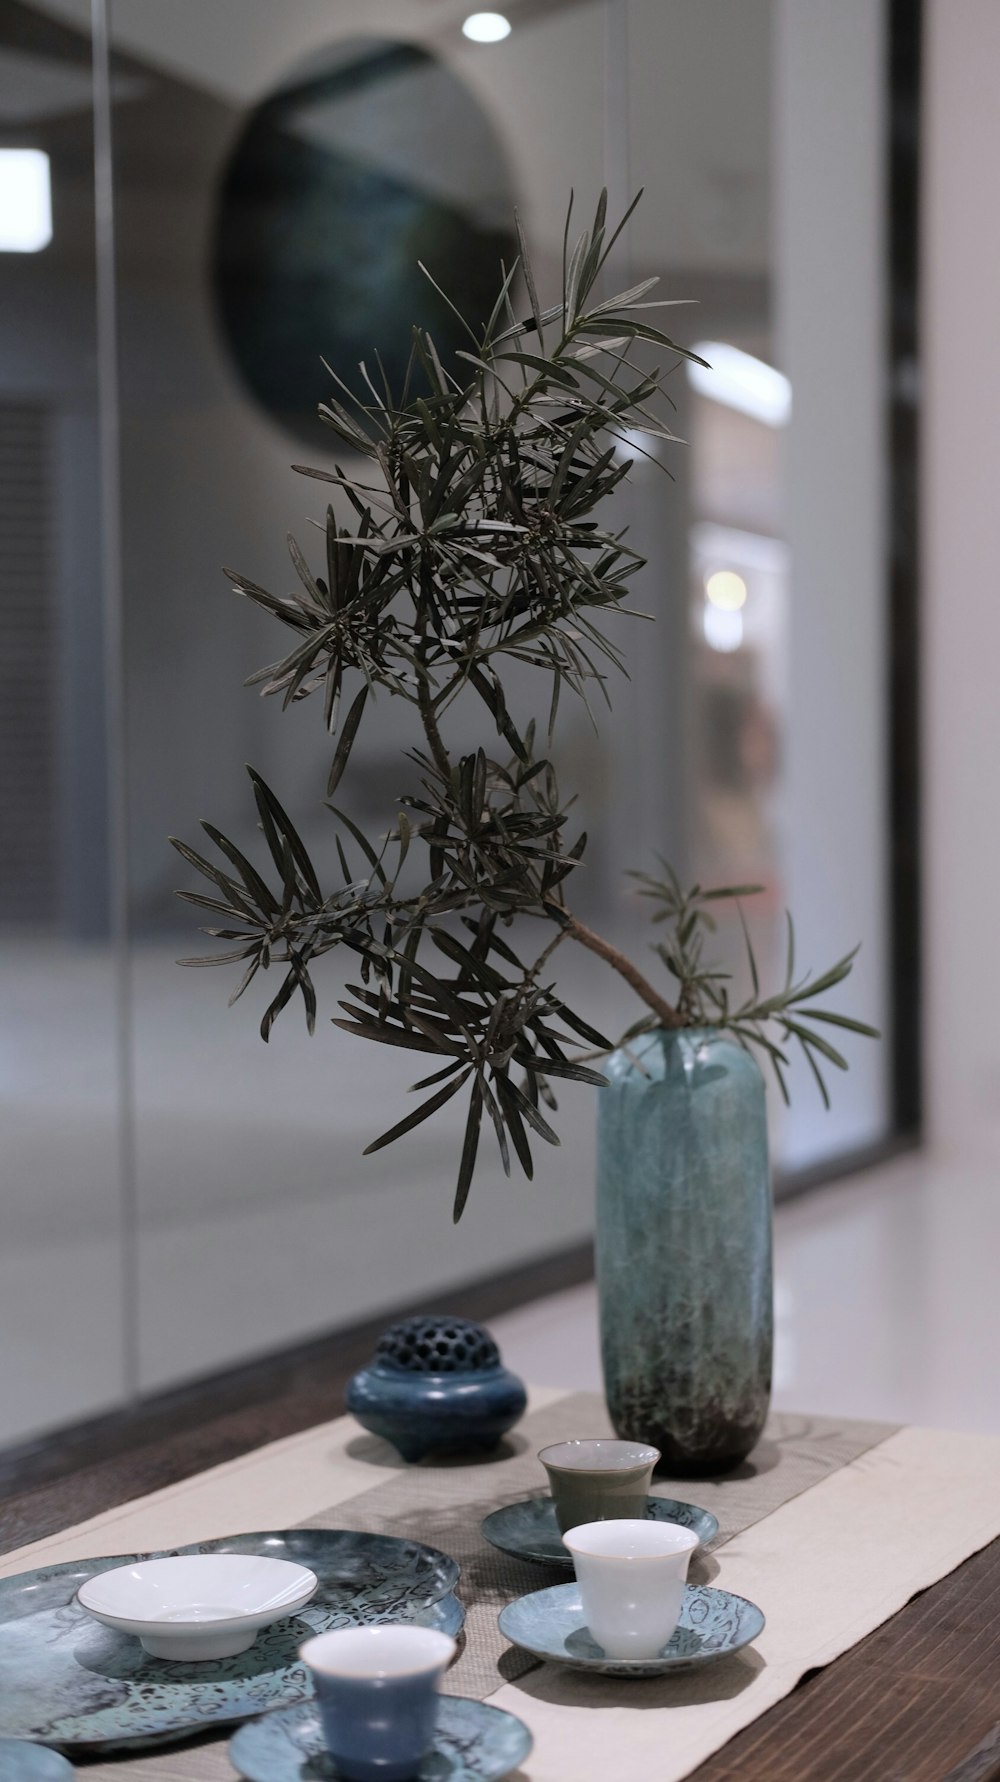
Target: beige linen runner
<point>830,1526</point>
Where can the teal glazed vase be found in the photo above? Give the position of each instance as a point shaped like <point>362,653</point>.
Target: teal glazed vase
<point>684,1247</point>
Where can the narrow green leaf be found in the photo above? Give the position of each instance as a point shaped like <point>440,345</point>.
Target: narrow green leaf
<point>624,297</point>
<point>549,369</point>
<point>835,975</point>
<point>469,1148</point>
<point>808,1039</point>
<point>247,871</point>
<point>751,961</point>
<point>386,1035</point>
<point>577,1073</point>
<point>529,282</point>
<point>218,958</point>
<point>818,1077</point>
<point>846,1021</point>
<point>283,823</point>
<point>726,891</point>
<point>237,898</point>
<point>527,1107</point>
<point>515,1125</point>
<point>304,573</point>
<point>347,735</point>
<point>492,1108</point>
<point>363,843</point>
<point>423,1112</point>
<point>490,693</point>
<point>437,1076</point>
<point>583,1028</point>
<point>281,1001</point>
<point>210,903</point>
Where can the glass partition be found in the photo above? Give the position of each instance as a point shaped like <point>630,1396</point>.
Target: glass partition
<point>61,1256</point>
<point>277,173</point>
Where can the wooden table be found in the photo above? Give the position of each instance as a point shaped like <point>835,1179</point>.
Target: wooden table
<point>917,1701</point>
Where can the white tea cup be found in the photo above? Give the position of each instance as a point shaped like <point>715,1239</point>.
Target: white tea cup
<point>631,1576</point>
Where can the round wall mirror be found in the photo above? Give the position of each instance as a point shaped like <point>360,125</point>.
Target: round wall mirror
<point>338,184</point>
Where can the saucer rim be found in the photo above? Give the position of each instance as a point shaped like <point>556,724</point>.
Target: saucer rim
<point>534,1557</point>
<point>657,1665</point>
<point>309,1705</point>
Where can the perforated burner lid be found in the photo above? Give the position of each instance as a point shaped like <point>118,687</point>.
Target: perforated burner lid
<point>437,1346</point>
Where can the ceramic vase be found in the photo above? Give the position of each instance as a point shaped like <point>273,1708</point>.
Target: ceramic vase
<point>684,1247</point>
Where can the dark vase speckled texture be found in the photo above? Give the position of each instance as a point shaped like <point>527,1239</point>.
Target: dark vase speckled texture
<point>684,1248</point>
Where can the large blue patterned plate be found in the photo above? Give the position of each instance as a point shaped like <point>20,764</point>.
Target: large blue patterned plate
<point>68,1681</point>
<point>529,1528</point>
<point>473,1743</point>
<point>551,1624</point>
<point>21,1762</point>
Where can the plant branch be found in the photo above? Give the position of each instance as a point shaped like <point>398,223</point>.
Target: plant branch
<point>618,961</point>
<point>546,954</point>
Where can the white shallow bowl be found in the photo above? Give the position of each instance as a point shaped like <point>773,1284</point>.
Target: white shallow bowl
<point>198,1605</point>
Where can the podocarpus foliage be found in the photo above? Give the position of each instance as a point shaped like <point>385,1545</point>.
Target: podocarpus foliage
<point>470,541</point>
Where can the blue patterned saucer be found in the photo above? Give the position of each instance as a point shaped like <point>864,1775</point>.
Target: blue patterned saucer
<point>21,1761</point>
<point>473,1743</point>
<point>550,1623</point>
<point>70,1682</point>
<point>529,1529</point>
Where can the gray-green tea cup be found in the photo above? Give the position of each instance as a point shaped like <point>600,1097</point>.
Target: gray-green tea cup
<point>598,1480</point>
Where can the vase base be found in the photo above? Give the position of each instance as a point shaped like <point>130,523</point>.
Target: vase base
<point>681,1466</point>
<point>719,1451</point>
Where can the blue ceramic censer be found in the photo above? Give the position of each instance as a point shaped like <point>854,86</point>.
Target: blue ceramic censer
<point>437,1386</point>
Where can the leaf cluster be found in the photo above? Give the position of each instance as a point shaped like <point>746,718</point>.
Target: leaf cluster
<point>470,534</point>
<point>498,1031</point>
<point>774,1023</point>
<point>487,1026</point>
<point>494,832</point>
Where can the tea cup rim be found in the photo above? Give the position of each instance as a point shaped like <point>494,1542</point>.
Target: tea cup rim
<point>686,1544</point>
<point>439,1650</point>
<point>643,1453</point>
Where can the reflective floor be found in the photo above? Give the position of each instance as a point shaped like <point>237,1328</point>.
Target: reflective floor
<point>887,1302</point>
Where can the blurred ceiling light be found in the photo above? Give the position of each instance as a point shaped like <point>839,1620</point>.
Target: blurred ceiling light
<point>726,590</point>
<point>25,201</point>
<point>742,382</point>
<point>486,27</point>
<point>723,629</point>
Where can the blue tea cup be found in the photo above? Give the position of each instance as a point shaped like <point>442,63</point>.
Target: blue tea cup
<point>377,1694</point>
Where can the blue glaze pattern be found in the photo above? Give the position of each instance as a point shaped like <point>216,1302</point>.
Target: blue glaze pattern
<point>550,1624</point>
<point>529,1529</point>
<point>437,1386</point>
<point>474,1743</point>
<point>68,1681</point>
<point>684,1247</point>
<point>22,1762</point>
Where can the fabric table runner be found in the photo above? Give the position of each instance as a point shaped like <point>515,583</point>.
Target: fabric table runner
<point>831,1526</point>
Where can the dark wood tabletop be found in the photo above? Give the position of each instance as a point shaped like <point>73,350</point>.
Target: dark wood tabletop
<point>917,1701</point>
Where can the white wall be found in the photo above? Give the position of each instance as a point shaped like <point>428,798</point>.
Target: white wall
<point>961,584</point>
